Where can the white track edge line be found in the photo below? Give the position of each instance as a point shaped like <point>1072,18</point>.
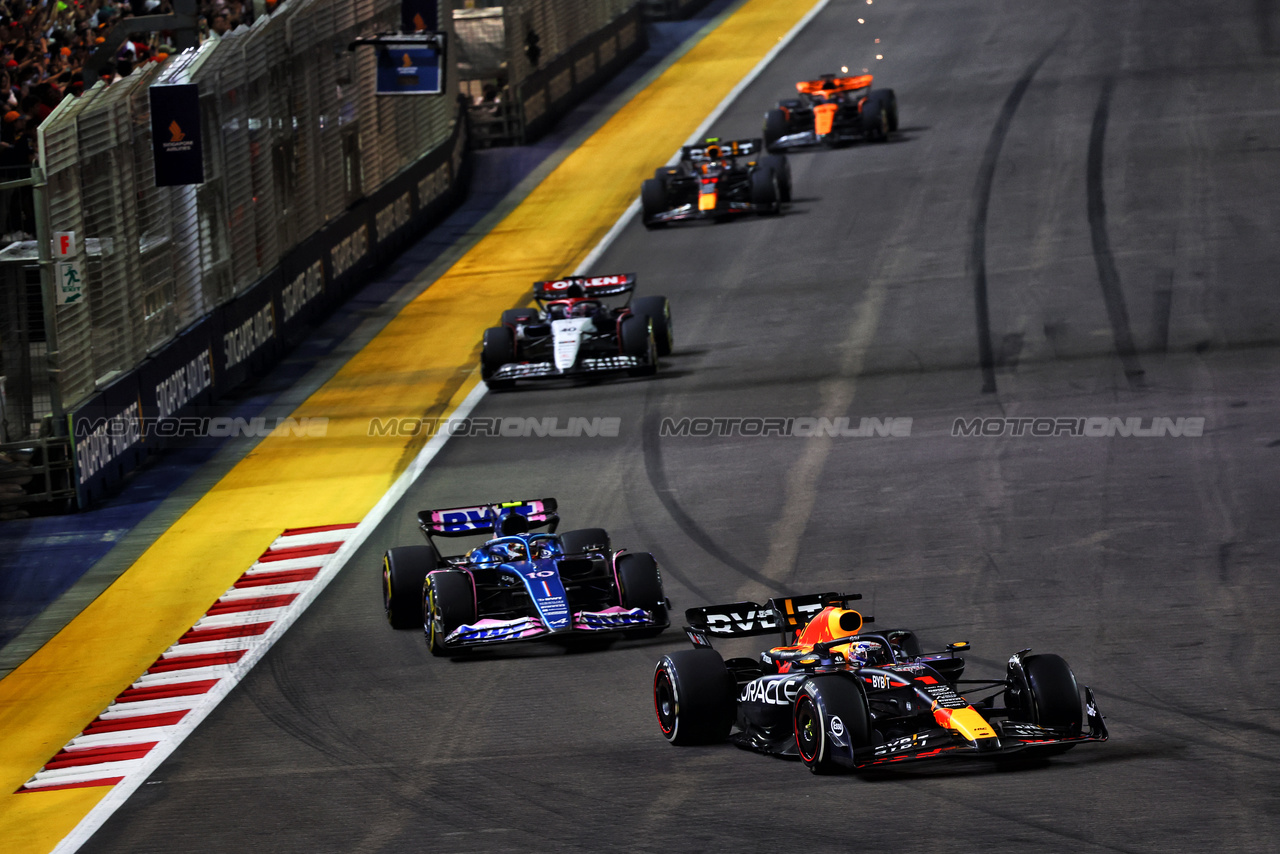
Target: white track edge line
<point>123,790</point>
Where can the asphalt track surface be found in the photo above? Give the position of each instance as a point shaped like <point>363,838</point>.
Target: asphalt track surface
<point>1101,177</point>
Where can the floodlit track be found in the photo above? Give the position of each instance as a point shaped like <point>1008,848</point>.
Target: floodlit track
<point>1077,214</point>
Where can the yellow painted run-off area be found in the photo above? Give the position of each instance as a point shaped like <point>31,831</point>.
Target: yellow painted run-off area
<point>421,365</point>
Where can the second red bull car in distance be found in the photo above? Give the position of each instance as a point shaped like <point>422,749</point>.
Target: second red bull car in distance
<point>843,697</point>
<point>717,180</point>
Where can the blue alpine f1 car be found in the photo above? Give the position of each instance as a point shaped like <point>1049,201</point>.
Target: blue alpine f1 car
<point>525,582</point>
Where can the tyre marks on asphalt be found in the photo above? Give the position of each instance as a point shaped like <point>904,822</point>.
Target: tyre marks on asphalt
<point>657,475</point>
<point>1108,274</point>
<point>800,491</point>
<point>978,230</point>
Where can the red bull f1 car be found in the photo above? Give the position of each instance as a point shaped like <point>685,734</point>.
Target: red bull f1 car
<point>844,697</point>
<point>830,111</point>
<point>525,582</point>
<point>574,332</point>
<point>717,180</point>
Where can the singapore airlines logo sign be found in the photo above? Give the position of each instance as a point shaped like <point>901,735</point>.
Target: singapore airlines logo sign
<point>177,141</point>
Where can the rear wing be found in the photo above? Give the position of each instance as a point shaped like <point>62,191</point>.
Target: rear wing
<point>831,83</point>
<point>786,616</point>
<point>717,149</point>
<point>480,519</point>
<point>592,286</point>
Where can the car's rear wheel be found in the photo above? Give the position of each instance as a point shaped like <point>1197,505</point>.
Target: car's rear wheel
<point>831,718</point>
<point>764,188</point>
<point>403,571</point>
<point>658,310</point>
<point>585,541</point>
<point>653,201</point>
<point>498,348</point>
<point>448,601</point>
<point>775,127</point>
<point>1046,694</point>
<point>517,316</point>
<point>694,697</point>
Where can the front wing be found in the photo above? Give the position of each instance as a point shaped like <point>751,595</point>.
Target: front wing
<point>807,138</point>
<point>1012,737</point>
<point>691,212</point>
<point>487,632</point>
<point>548,370</point>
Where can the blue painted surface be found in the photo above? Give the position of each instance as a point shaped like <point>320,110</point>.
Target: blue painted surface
<point>40,558</point>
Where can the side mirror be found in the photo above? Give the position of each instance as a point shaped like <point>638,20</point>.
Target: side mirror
<point>958,646</point>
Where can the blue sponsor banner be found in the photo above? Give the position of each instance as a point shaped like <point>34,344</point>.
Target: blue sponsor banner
<point>408,69</point>
<point>175,135</point>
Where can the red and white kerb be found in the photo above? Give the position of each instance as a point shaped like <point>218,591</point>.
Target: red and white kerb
<point>187,675</point>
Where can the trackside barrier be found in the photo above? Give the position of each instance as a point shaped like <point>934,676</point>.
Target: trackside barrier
<point>552,90</point>
<point>115,429</point>
<point>671,10</point>
<point>525,63</point>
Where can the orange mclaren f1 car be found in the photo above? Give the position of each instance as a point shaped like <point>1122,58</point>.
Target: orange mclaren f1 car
<point>841,696</point>
<point>832,110</point>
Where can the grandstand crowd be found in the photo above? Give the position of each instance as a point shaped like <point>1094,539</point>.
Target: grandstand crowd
<point>44,47</point>
<point>45,44</point>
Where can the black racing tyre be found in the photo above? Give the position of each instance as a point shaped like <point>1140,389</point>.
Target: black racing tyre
<point>641,587</point>
<point>1049,696</point>
<point>775,127</point>
<point>498,349</point>
<point>640,581</point>
<point>653,201</point>
<point>636,339</point>
<point>662,173</point>
<point>448,601</point>
<point>516,316</point>
<point>403,571</point>
<point>782,167</point>
<point>764,188</point>
<point>890,102</point>
<point>585,541</point>
<point>826,708</point>
<point>658,310</point>
<point>694,696</point>
<point>875,119</point>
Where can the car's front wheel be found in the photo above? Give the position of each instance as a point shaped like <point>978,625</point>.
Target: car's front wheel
<point>832,719</point>
<point>498,348</point>
<point>640,586</point>
<point>1046,694</point>
<point>658,310</point>
<point>448,601</point>
<point>653,201</point>
<point>636,339</point>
